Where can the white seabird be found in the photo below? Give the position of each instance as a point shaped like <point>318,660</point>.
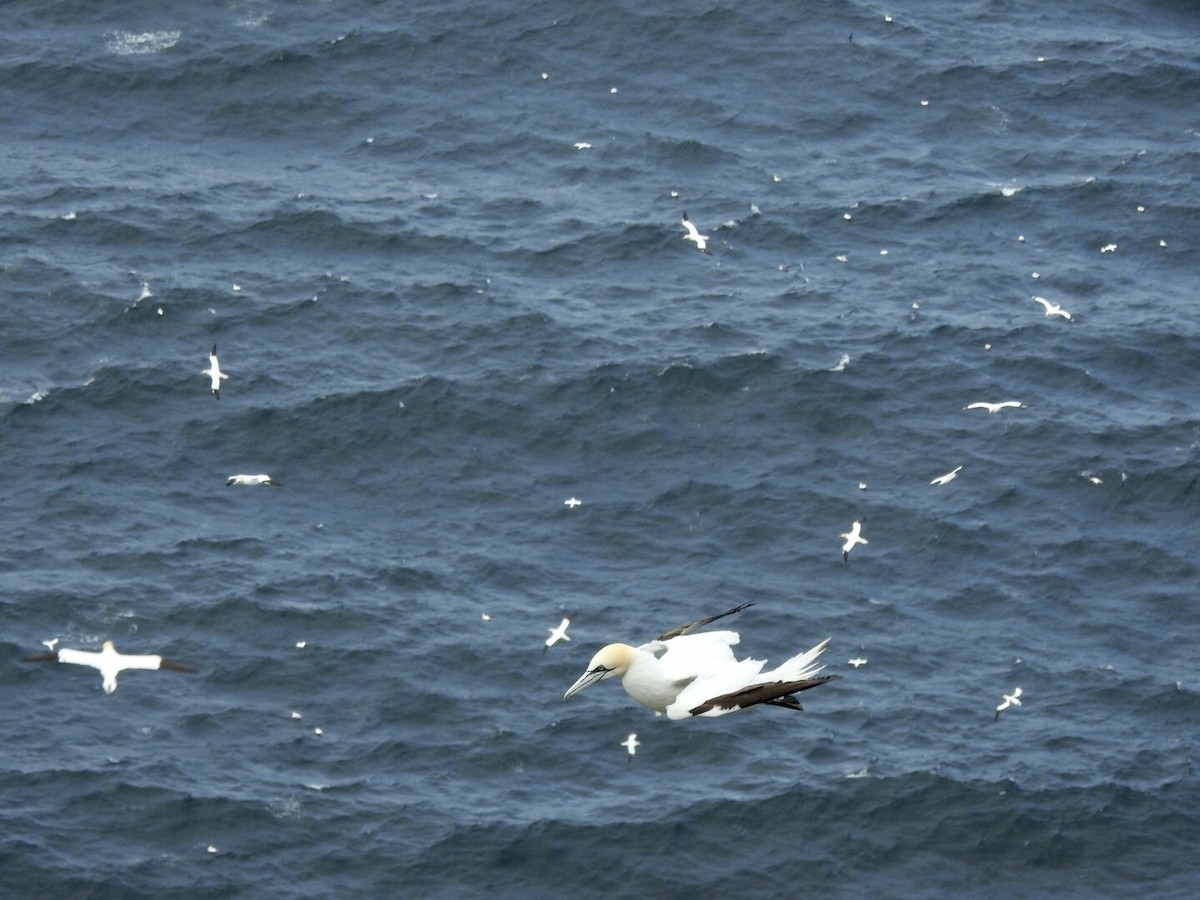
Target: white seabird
<point>572,502</point>
<point>947,478</point>
<point>214,372</point>
<point>1053,309</point>
<point>693,234</point>
<point>853,537</point>
<point>631,743</point>
<point>251,480</point>
<point>685,674</point>
<point>995,407</point>
<point>857,661</point>
<point>109,662</point>
<point>1012,699</point>
<point>559,633</point>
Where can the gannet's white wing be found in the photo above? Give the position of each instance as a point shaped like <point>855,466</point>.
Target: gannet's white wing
<point>690,655</point>
<point>732,676</point>
<point>739,684</point>
<point>132,661</point>
<point>79,657</point>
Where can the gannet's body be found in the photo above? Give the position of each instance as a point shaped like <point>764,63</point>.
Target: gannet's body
<point>1013,699</point>
<point>694,235</point>
<point>631,743</point>
<point>214,372</point>
<point>1053,309</point>
<point>684,674</point>
<point>559,633</point>
<point>109,662</point>
<point>996,407</point>
<point>853,537</point>
<point>947,478</point>
<point>251,480</point>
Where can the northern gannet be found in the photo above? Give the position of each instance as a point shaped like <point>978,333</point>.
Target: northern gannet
<point>214,372</point>
<point>996,407</point>
<point>572,502</point>
<point>1013,699</point>
<point>1053,309</point>
<point>947,478</point>
<point>631,743</point>
<point>693,234</point>
<point>109,662</point>
<point>853,537</point>
<point>251,480</point>
<point>685,674</point>
<point>559,633</point>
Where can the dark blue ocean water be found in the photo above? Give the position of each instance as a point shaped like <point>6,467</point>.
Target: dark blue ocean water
<point>441,319</point>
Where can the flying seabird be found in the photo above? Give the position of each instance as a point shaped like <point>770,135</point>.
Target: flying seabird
<point>1053,309</point>
<point>857,661</point>
<point>947,478</point>
<point>214,372</point>
<point>559,633</point>
<point>631,743</point>
<point>251,480</point>
<point>853,537</point>
<point>572,502</point>
<point>996,407</point>
<point>109,662</point>
<point>685,674</point>
<point>1012,699</point>
<point>701,240</point>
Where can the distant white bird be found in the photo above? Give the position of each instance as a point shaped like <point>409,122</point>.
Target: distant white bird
<point>1053,309</point>
<point>693,234</point>
<point>109,662</point>
<point>853,537</point>
<point>1012,699</point>
<point>947,478</point>
<point>858,661</point>
<point>582,145</point>
<point>214,372</point>
<point>631,743</point>
<point>559,633</point>
<point>685,674</point>
<point>572,502</point>
<point>251,480</point>
<point>842,363</point>
<point>996,407</point>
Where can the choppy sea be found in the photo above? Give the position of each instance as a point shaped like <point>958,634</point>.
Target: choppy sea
<point>438,245</point>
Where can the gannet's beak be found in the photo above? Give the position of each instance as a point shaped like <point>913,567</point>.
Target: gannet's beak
<point>589,677</point>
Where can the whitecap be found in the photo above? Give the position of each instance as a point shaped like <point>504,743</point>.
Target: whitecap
<point>129,43</point>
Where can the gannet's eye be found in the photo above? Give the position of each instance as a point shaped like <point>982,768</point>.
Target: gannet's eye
<point>600,669</point>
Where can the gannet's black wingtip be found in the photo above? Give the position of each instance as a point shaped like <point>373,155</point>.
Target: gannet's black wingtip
<point>692,626</point>
<point>772,694</point>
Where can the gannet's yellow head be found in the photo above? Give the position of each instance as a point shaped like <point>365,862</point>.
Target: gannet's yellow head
<point>610,661</point>
<point>109,647</point>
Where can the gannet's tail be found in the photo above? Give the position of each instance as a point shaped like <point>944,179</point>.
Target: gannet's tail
<point>799,668</point>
